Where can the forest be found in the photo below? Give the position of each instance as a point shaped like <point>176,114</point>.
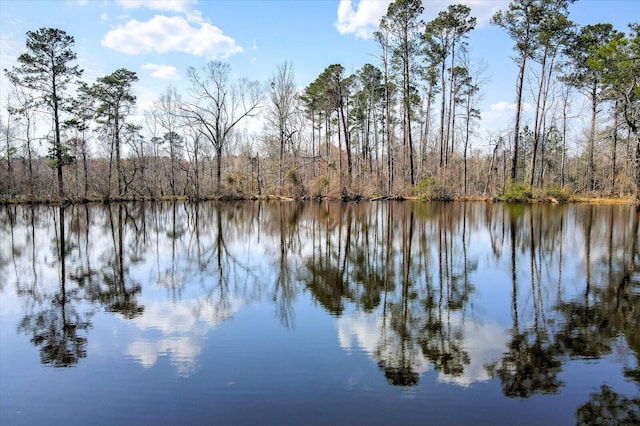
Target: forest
<point>406,126</point>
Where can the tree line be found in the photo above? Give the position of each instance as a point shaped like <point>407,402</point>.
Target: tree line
<point>406,126</point>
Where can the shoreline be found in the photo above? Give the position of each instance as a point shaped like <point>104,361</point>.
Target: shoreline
<point>57,201</point>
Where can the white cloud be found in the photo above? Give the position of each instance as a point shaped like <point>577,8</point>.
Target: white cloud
<point>482,10</point>
<point>167,72</point>
<point>362,17</point>
<point>361,20</point>
<point>499,119</point>
<point>163,34</point>
<point>502,107</point>
<point>500,115</point>
<point>166,5</point>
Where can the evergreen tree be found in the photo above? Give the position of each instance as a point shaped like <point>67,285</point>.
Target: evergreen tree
<point>46,69</point>
<point>115,102</point>
<point>586,74</point>
<point>403,23</point>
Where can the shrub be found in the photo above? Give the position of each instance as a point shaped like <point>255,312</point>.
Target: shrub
<point>429,189</point>
<point>295,186</point>
<point>234,186</point>
<point>558,193</point>
<point>517,193</point>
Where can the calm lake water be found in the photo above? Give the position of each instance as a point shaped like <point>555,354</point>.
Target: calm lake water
<point>319,313</point>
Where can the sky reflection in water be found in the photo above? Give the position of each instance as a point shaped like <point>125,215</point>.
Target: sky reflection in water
<point>319,312</point>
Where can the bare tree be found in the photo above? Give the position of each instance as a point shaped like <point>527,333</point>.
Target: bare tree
<point>382,38</point>
<point>7,152</point>
<point>168,115</point>
<point>22,108</point>
<point>283,96</point>
<point>218,105</point>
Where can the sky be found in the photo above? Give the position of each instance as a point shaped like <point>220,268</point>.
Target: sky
<point>161,39</point>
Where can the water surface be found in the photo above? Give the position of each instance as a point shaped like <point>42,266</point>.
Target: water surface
<point>319,313</point>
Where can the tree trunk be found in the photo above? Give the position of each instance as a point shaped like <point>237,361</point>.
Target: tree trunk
<point>565,105</point>
<point>218,168</point>
<point>592,139</point>
<point>450,108</point>
<point>537,119</point>
<point>117,147</point>
<point>425,137</point>
<point>637,164</point>
<point>407,113</point>
<point>85,169</point>
<point>347,139</point>
<point>387,124</point>
<point>614,147</point>
<point>57,141</point>
<point>516,132</point>
<point>442,105</point>
<point>281,160</point>
<point>466,141</point>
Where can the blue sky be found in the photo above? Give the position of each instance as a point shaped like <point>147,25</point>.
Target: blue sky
<point>160,39</point>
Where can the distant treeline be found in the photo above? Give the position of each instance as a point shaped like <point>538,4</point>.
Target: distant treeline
<point>408,126</point>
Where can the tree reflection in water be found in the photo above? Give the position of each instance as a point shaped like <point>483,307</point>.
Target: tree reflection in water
<point>379,258</point>
<point>290,245</point>
<point>398,356</point>
<point>56,326</point>
<point>118,294</point>
<point>531,363</point>
<point>609,408</point>
<point>530,367</point>
<point>58,322</point>
<point>441,340</point>
<point>408,272</point>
